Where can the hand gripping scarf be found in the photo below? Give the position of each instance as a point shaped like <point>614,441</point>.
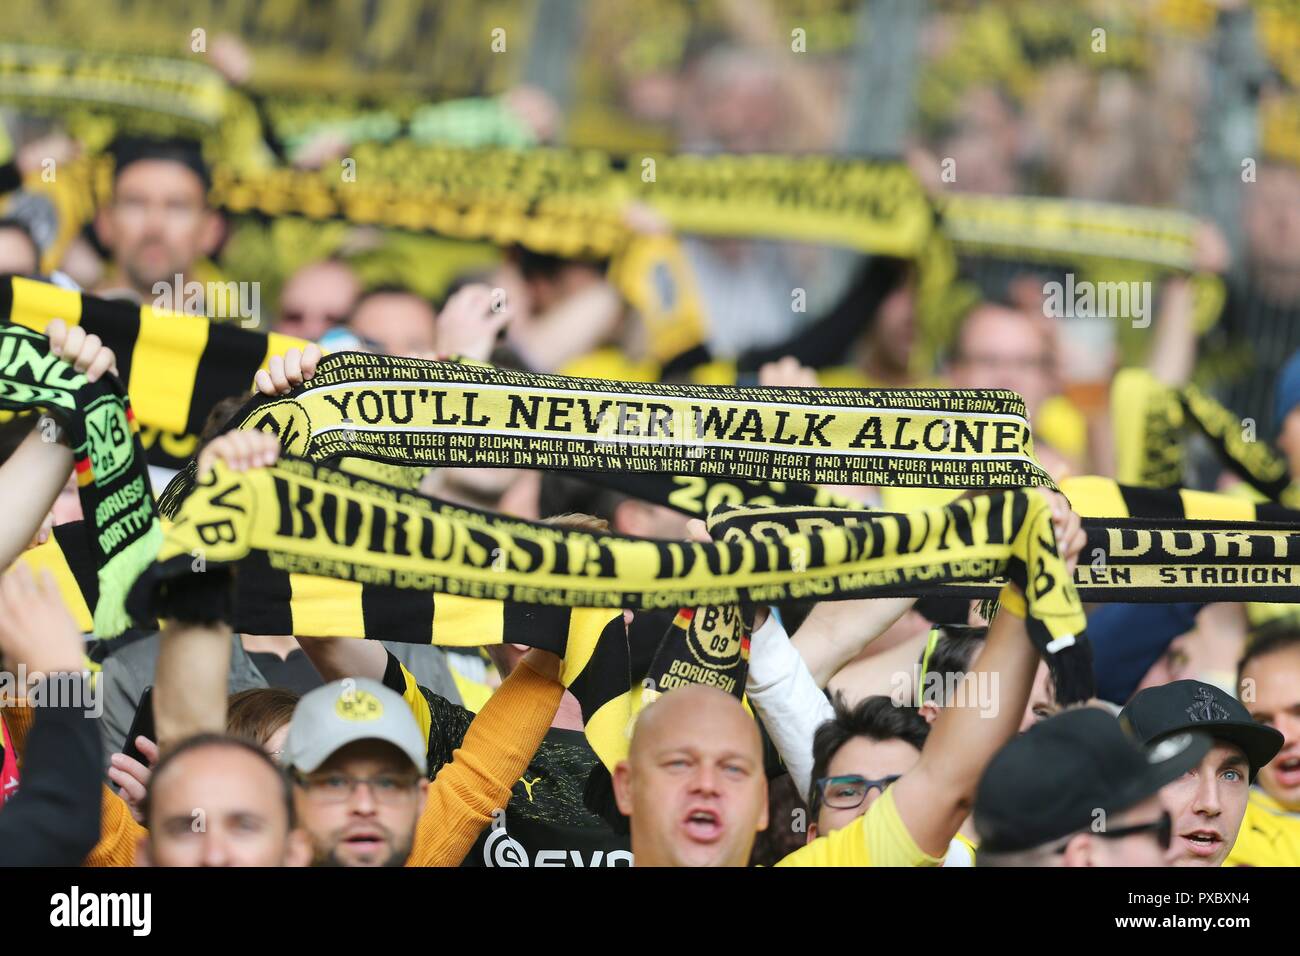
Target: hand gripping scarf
<point>314,520</point>
<point>121,523</point>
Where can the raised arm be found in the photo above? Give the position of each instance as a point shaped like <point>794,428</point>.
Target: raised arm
<point>935,796</point>
<point>36,472</point>
<point>501,741</point>
<point>836,632</point>
<point>54,818</point>
<point>338,657</point>
<point>786,698</point>
<point>193,671</point>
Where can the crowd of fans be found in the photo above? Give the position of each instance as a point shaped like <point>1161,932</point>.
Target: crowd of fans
<point>223,748</point>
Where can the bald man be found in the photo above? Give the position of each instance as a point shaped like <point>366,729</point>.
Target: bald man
<point>693,782</point>
<point>694,789</point>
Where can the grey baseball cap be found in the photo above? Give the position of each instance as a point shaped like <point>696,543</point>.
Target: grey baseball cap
<point>345,711</point>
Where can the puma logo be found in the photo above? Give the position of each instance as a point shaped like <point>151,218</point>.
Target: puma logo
<point>529,784</point>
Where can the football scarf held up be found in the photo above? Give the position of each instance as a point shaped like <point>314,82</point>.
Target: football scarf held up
<point>174,366</point>
<point>309,519</point>
<point>271,601</point>
<point>413,412</point>
<point>1149,437</point>
<point>1131,560</point>
<point>121,523</point>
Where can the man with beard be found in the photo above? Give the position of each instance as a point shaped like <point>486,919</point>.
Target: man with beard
<point>158,224</point>
<point>358,761</point>
<point>1208,802</point>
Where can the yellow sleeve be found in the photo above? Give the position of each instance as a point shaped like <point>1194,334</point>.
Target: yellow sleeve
<point>118,834</point>
<point>1267,837</point>
<point>877,838</point>
<point>1060,423</point>
<point>473,694</point>
<point>415,700</point>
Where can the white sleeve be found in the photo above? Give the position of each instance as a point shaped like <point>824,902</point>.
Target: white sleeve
<point>783,693</point>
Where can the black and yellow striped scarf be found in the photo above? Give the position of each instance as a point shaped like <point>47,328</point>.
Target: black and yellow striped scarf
<point>121,530</point>
<point>414,412</point>
<point>1151,421</point>
<point>1140,560</point>
<point>175,367</point>
<point>309,519</point>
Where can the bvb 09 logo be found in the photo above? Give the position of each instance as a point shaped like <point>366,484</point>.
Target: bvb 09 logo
<point>714,635</point>
<point>359,705</point>
<point>110,439</point>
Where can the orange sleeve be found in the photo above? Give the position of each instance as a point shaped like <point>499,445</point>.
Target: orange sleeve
<point>497,749</point>
<point>118,834</point>
<point>118,831</point>
<point>19,721</point>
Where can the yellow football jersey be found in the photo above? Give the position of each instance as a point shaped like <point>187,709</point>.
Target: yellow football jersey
<point>877,838</point>
<point>1269,834</point>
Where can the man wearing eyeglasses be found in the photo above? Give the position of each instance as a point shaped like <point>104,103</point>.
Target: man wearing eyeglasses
<point>1076,790</point>
<point>859,752</point>
<point>358,763</point>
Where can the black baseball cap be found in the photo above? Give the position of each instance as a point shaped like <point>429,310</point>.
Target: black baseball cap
<point>1050,781</point>
<point>1156,712</point>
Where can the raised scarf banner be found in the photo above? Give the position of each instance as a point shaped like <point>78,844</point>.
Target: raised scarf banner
<point>1138,560</point>
<point>157,96</point>
<point>1150,433</point>
<point>414,412</point>
<point>271,601</point>
<point>1069,229</point>
<point>703,645</point>
<point>175,366</point>
<point>708,645</point>
<point>309,519</point>
<point>122,523</point>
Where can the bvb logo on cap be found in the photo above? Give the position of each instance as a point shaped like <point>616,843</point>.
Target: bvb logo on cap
<point>359,705</point>
<point>714,636</point>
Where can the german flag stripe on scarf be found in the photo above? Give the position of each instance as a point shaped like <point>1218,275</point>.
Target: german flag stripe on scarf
<point>121,530</point>
<point>175,367</point>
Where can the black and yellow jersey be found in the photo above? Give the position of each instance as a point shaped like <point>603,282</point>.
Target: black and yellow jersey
<point>546,822</point>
